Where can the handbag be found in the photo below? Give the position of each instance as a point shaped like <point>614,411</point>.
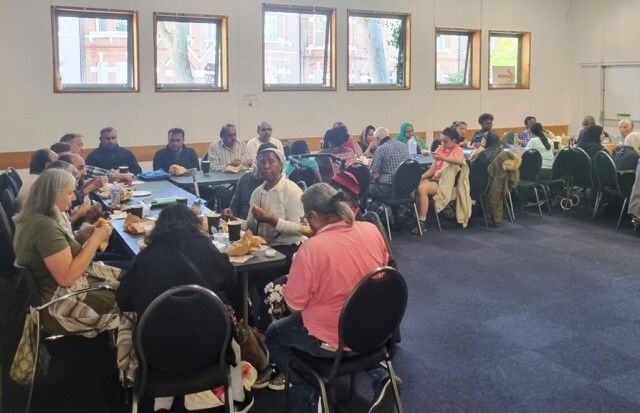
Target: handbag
<point>25,359</point>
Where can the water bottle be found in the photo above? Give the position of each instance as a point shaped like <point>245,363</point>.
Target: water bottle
<point>115,195</point>
<point>413,148</point>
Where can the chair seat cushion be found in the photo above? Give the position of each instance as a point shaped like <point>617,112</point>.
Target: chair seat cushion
<point>160,384</point>
<point>350,363</point>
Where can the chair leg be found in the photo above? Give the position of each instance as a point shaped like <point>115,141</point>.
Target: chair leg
<point>437,216</point>
<point>286,391</point>
<point>326,407</point>
<point>484,213</point>
<point>596,205</point>
<point>546,198</point>
<point>228,394</point>
<point>415,210</point>
<point>386,216</point>
<point>624,204</point>
<point>394,384</point>
<point>535,191</point>
<point>134,403</point>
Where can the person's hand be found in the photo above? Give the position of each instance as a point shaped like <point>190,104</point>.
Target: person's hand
<point>102,232</point>
<point>227,214</point>
<point>81,210</point>
<point>247,163</point>
<point>93,213</point>
<point>519,141</point>
<point>95,183</point>
<point>438,157</point>
<point>235,162</point>
<point>262,215</point>
<point>126,178</point>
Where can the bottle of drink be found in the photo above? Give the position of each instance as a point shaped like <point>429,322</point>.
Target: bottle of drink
<point>413,148</point>
<point>115,195</point>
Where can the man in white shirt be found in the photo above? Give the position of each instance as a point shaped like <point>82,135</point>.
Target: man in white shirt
<point>625,126</point>
<point>264,136</point>
<point>228,151</point>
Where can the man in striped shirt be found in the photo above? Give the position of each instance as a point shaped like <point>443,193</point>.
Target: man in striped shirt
<point>228,151</point>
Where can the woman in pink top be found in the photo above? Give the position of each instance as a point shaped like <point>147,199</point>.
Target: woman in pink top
<point>447,153</point>
<point>323,273</point>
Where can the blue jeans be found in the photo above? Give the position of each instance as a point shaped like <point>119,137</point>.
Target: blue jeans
<point>281,338</point>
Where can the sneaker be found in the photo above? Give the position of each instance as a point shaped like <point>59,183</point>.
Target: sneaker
<point>277,382</point>
<point>245,405</point>
<point>385,401</point>
<point>416,230</point>
<point>263,378</point>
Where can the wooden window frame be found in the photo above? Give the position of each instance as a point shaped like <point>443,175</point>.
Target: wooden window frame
<point>474,61</point>
<point>524,59</point>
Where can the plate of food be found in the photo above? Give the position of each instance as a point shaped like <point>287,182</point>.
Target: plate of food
<point>141,193</point>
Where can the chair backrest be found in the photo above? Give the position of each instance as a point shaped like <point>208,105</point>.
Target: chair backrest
<point>363,175</point>
<point>509,138</point>
<point>6,181</point>
<point>184,330</point>
<point>531,165</point>
<point>11,171</point>
<point>561,163</point>
<point>406,179</point>
<point>606,173</point>
<point>580,168</point>
<point>10,206</point>
<point>478,179</point>
<point>303,174</point>
<point>373,311</point>
<point>7,254</point>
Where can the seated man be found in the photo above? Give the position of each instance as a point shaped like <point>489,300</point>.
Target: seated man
<point>110,155</point>
<point>264,136</point>
<point>388,157</point>
<point>228,151</point>
<point>83,210</point>
<point>175,153</point>
<point>61,148</point>
<point>322,275</point>
<point>77,145</point>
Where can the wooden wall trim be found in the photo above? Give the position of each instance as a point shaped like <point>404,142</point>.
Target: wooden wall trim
<point>145,153</point>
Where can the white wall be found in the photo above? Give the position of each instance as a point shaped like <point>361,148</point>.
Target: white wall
<point>32,116</point>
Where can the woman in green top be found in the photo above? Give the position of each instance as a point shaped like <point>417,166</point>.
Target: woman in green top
<point>59,264</point>
<point>406,132</point>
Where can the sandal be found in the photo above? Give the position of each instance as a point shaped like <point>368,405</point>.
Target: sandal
<point>416,230</point>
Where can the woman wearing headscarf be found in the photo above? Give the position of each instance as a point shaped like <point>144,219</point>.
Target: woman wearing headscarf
<point>407,132</point>
<point>591,140</point>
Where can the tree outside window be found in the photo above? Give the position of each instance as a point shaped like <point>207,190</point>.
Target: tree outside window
<point>378,50</point>
<point>457,59</point>
<point>94,50</point>
<point>298,48</point>
<point>190,52</point>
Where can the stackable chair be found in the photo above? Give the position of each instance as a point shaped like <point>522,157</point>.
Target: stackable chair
<point>363,175</point>
<point>608,183</point>
<point>368,324</point>
<point>529,170</point>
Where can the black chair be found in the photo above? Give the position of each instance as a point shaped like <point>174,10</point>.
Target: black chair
<point>608,183</point>
<point>303,176</point>
<point>6,181</point>
<point>529,170</point>
<point>363,175</point>
<point>181,340</point>
<point>10,206</point>
<point>405,181</point>
<point>8,256</point>
<point>573,166</point>
<point>11,171</point>
<point>368,323</point>
<point>36,307</point>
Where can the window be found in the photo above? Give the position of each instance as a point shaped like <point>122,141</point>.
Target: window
<point>457,59</point>
<point>298,48</point>
<point>509,60</point>
<point>94,50</point>
<point>379,45</point>
<point>190,52</point>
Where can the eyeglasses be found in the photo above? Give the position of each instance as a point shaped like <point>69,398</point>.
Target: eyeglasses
<point>266,129</point>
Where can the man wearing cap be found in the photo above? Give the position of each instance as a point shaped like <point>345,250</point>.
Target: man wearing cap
<point>110,155</point>
<point>386,160</point>
<point>228,151</point>
<point>175,153</point>
<point>264,136</point>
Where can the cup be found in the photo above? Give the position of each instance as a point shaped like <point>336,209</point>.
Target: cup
<point>234,230</point>
<point>181,200</point>
<point>123,169</point>
<point>146,209</point>
<point>206,167</point>
<point>213,221</point>
<point>136,210</point>
<point>556,145</point>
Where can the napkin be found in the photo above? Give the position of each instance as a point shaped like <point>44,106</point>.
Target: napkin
<point>164,201</point>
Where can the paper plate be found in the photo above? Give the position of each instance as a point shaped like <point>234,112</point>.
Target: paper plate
<point>141,193</point>
<point>137,182</point>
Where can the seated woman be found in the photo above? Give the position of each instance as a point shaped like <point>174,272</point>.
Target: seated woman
<point>447,153</point>
<point>592,139</point>
<point>59,264</point>
<point>332,144</point>
<point>301,148</point>
<point>323,273</point>
<point>540,142</point>
<point>179,253</point>
<point>407,132</point>
<point>367,141</point>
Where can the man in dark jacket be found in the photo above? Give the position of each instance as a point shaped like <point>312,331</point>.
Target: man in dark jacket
<point>109,155</point>
<point>175,153</point>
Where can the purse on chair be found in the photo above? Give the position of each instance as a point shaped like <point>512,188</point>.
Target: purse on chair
<point>25,359</point>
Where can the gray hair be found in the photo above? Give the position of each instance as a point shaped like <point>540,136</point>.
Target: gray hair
<point>44,192</point>
<point>64,165</point>
<point>325,200</point>
<point>629,121</point>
